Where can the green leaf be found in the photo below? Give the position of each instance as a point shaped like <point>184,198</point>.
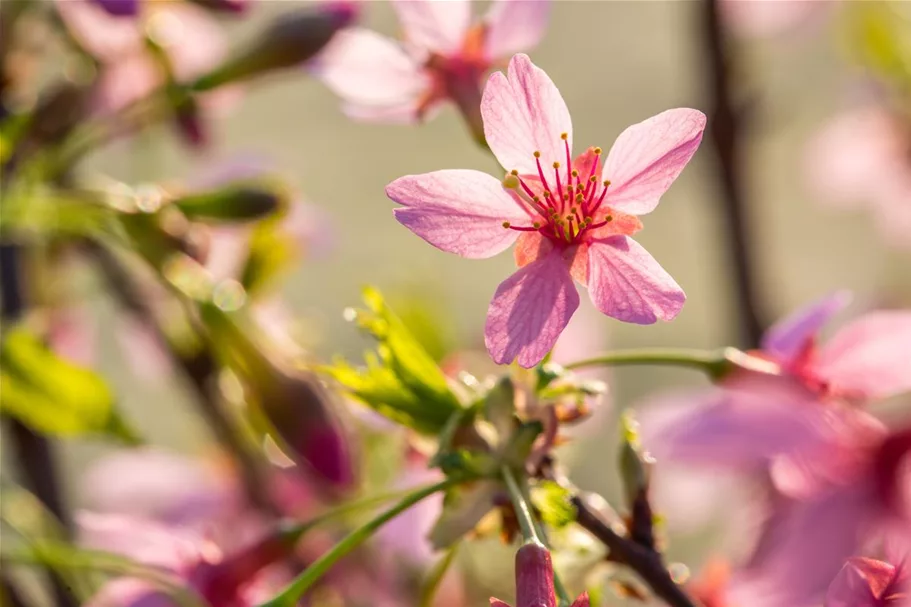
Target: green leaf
<point>553,503</point>
<point>53,396</point>
<point>401,380</point>
<point>271,253</point>
<point>878,36</point>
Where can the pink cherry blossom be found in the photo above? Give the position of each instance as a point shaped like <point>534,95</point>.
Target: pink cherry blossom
<point>868,359</point>
<point>865,582</point>
<point>191,39</point>
<point>863,158</point>
<point>535,580</point>
<point>769,18</point>
<point>444,56</point>
<point>570,218</point>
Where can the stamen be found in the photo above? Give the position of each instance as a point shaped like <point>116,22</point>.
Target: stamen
<point>506,225</point>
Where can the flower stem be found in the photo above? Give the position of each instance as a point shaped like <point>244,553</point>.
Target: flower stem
<point>714,363</point>
<point>314,572</point>
<point>520,504</point>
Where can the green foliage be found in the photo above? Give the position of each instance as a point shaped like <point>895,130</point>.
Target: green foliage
<point>270,253</point>
<point>553,503</point>
<point>53,396</point>
<point>401,380</point>
<point>880,38</point>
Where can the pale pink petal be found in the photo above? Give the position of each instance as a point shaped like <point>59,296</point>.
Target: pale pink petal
<point>406,536</point>
<point>529,311</point>
<point>106,37</point>
<point>860,583</point>
<point>626,283</point>
<point>787,338</point>
<point>72,335</point>
<point>805,544</point>
<point>741,429</point>
<point>142,540</point>
<point>458,211</point>
<point>647,158</point>
<point>870,357</point>
<point>190,36</point>
<point>524,113</point>
<point>581,601</point>
<point>142,349</point>
<point>434,25</point>
<point>409,111</point>
<point>130,592</point>
<point>126,81</point>
<point>514,26</point>
<point>367,69</point>
<point>765,18</point>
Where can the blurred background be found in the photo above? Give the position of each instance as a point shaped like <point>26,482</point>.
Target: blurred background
<point>616,63</point>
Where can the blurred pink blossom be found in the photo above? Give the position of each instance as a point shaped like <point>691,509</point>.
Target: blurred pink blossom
<point>444,56</point>
<point>191,39</point>
<point>865,582</point>
<point>768,18</point>
<point>580,232</point>
<point>863,157</point>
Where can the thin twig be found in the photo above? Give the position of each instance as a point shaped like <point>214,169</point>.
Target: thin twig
<point>647,563</point>
<point>725,129</point>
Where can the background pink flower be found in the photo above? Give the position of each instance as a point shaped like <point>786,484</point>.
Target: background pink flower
<point>444,56</point>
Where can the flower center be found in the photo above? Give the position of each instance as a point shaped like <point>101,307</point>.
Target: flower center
<point>565,206</point>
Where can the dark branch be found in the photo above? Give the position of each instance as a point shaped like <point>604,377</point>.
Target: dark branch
<point>725,129</point>
<point>644,561</point>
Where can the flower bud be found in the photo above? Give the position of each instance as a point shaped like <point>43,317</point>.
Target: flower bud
<point>224,6</point>
<point>291,40</point>
<point>534,577</point>
<point>119,8</point>
<point>236,202</point>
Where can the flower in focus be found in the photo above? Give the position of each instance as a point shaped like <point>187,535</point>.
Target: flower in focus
<point>535,580</point>
<point>865,582</point>
<point>863,157</point>
<point>444,56</point>
<point>570,218</point>
<point>192,44</point>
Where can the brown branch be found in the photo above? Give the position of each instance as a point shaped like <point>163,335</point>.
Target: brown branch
<point>641,559</point>
<point>725,129</point>
<point>199,369</point>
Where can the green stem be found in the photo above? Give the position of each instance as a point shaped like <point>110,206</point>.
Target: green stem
<point>713,362</point>
<point>520,504</point>
<point>314,572</point>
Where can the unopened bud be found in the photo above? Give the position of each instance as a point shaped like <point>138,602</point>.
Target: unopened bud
<point>190,124</point>
<point>534,576</point>
<point>120,8</point>
<point>239,202</point>
<point>58,112</point>
<point>289,41</point>
<point>635,463</point>
<point>224,6</point>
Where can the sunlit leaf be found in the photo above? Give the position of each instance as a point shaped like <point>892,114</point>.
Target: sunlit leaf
<point>553,503</point>
<point>53,396</point>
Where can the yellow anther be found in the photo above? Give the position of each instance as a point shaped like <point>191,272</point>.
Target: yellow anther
<point>579,197</point>
<point>556,165</point>
<point>536,198</point>
<point>575,173</point>
<point>537,154</point>
<point>607,183</point>
<point>597,150</point>
<point>536,225</point>
<point>609,218</point>
<point>564,136</point>
<point>514,172</point>
<point>511,182</point>
<point>593,178</point>
<point>506,224</point>
<point>547,194</point>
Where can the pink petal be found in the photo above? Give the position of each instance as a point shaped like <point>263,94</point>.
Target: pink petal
<point>741,428</point>
<point>787,338</point>
<point>768,18</point>
<point>192,38</point>
<point>123,82</point>
<point>870,357</point>
<point>142,540</point>
<point>106,37</point>
<point>581,601</point>
<point>498,603</point>
<point>524,113</point>
<point>367,69</point>
<point>860,583</point>
<point>626,283</point>
<point>458,211</point>
<point>529,311</point>
<point>434,25</point>
<point>647,158</point>
<point>514,26</point>
<point>408,111</point>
